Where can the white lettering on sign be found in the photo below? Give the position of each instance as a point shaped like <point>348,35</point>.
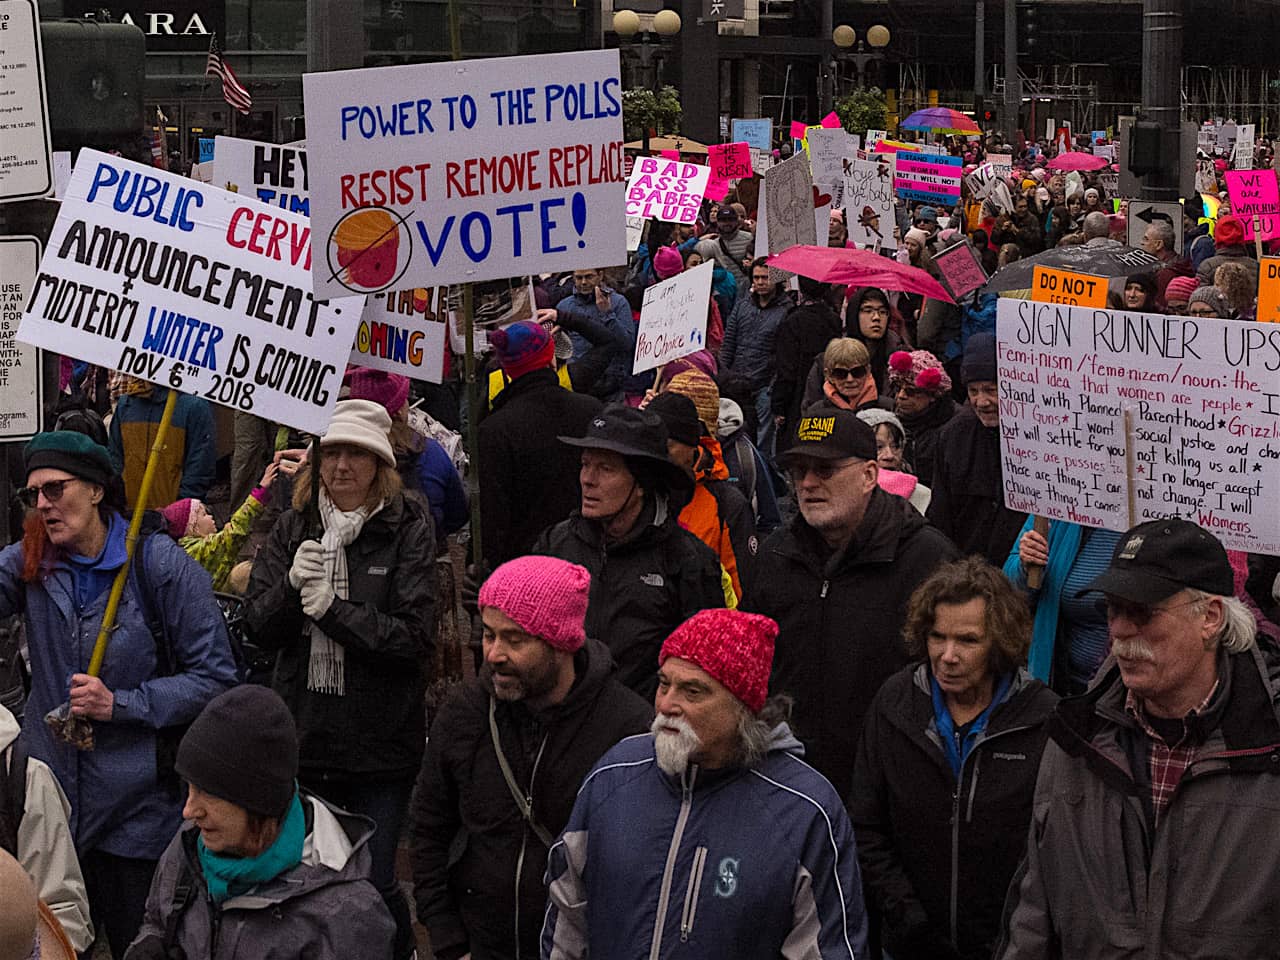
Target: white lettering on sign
<point>163,24</point>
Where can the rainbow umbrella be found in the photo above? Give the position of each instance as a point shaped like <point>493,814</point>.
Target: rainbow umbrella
<point>940,120</point>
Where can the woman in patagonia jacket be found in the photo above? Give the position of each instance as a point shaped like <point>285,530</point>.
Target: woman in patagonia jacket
<point>262,869</point>
<point>125,806</point>
<point>947,767</point>
<point>352,616</point>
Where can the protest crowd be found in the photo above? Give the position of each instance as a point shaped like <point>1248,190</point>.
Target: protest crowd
<point>610,638</point>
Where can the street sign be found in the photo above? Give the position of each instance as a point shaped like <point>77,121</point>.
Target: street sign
<point>26,164</point>
<point>1143,213</point>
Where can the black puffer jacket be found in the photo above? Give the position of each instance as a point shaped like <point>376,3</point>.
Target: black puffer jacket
<point>468,838</point>
<point>841,620</point>
<point>922,435</point>
<point>387,632</point>
<point>803,334</point>
<point>642,587</point>
<point>937,856</point>
<point>968,490</point>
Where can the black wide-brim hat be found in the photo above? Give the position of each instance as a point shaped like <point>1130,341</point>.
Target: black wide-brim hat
<point>635,434</point>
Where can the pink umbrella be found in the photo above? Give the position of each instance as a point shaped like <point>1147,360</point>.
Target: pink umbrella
<point>1075,160</point>
<point>862,268</point>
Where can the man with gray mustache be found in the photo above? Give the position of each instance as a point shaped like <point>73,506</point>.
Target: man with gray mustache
<point>1153,831</point>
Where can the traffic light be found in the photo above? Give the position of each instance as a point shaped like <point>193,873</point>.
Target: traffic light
<point>990,118</point>
<point>1028,29</point>
<point>95,74</point>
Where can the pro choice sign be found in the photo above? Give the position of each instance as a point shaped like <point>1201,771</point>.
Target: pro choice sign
<point>1063,286</point>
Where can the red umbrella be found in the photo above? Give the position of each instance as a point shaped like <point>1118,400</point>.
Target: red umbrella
<point>862,268</point>
<point>1075,160</point>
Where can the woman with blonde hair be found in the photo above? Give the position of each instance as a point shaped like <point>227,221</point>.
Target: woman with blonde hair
<point>842,377</point>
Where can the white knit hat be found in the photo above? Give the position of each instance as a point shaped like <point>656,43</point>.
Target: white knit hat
<point>364,424</point>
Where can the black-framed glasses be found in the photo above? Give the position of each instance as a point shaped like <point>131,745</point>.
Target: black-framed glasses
<point>842,373</point>
<point>52,490</point>
<point>874,311</point>
<point>822,469</point>
<point>1139,614</point>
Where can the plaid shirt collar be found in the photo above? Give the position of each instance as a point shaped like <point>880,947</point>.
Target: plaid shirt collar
<point>1167,763</point>
<point>1134,707</point>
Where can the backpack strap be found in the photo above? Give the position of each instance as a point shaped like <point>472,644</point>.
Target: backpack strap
<point>184,890</point>
<point>13,795</point>
<point>523,803</point>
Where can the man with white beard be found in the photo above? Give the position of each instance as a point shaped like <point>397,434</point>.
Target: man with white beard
<point>1153,825</point>
<point>708,835</point>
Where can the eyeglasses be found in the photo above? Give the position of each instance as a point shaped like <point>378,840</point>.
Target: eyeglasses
<point>875,311</point>
<point>30,496</point>
<point>822,469</point>
<point>841,373</point>
<point>1139,614</point>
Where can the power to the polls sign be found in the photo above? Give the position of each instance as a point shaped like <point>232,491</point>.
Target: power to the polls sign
<point>444,173</point>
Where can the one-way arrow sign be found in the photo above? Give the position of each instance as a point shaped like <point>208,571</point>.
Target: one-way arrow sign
<point>1144,213</point>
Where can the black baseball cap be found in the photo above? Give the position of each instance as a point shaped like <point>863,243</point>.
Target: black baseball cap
<point>831,433</point>
<point>1156,559</point>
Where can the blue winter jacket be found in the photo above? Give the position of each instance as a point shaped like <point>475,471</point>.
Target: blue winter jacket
<point>742,863</point>
<point>618,317</point>
<point>117,806</point>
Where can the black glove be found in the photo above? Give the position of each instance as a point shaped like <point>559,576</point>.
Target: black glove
<point>152,947</point>
<point>474,577</point>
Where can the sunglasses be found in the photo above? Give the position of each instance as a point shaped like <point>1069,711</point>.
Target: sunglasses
<point>841,373</point>
<point>30,496</point>
<point>1139,614</point>
<point>822,469</point>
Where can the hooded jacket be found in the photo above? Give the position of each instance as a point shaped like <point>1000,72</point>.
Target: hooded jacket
<point>739,862</point>
<point>1101,881</point>
<point>477,866</point>
<point>968,490</point>
<point>117,803</point>
<point>803,334</point>
<point>325,908</point>
<point>936,854</point>
<point>719,516</point>
<point>749,335</point>
<point>45,848</point>
<point>528,479</point>
<point>840,620</point>
<point>617,317</point>
<point>387,631</point>
<point>642,586</point>
<point>185,465</point>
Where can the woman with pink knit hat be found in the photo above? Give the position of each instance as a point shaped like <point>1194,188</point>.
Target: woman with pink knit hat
<point>921,391</point>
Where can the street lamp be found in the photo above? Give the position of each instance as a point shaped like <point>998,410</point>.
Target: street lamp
<point>845,37</point>
<point>626,24</point>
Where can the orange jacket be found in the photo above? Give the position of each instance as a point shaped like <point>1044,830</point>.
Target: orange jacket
<point>720,516</point>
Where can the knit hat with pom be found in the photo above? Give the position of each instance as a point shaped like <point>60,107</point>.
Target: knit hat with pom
<point>546,596</point>
<point>522,347</point>
<point>1180,288</point>
<point>919,369</point>
<point>733,647</point>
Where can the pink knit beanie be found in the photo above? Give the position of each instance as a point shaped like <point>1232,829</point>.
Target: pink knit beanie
<point>734,647</point>
<point>667,262</point>
<point>177,517</point>
<point>919,369</point>
<point>545,595</point>
<point>1181,288</point>
<point>389,389</point>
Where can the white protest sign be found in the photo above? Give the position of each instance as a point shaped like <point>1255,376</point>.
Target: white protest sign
<point>874,137</point>
<point>19,363</point>
<point>61,172</point>
<point>1226,138</point>
<point>830,149</point>
<point>668,190</point>
<point>762,222</point>
<point>26,165</point>
<point>868,203</point>
<point>1242,152</point>
<point>635,233</point>
<point>438,173</point>
<point>789,205</point>
<point>761,160</point>
<point>1204,409</point>
<point>190,287</point>
<point>1002,164</point>
<point>399,332</point>
<point>274,174</point>
<point>673,318</point>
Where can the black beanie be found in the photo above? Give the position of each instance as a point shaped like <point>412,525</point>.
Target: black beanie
<point>243,748</point>
<point>680,415</point>
<point>979,361</point>
<point>71,451</point>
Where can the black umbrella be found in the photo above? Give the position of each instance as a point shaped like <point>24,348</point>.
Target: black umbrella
<point>1109,259</point>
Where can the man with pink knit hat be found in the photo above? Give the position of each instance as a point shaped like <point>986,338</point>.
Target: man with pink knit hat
<point>710,835</point>
<point>505,758</point>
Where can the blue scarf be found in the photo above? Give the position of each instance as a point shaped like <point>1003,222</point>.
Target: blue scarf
<point>228,877</point>
<point>957,752</point>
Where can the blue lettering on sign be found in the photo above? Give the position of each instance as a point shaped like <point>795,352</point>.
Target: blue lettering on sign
<point>475,233</point>
<point>146,196</point>
<point>405,119</point>
<point>206,149</point>
<point>176,335</point>
<point>285,201</point>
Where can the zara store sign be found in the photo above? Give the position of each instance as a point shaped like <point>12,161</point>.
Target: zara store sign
<point>170,25</point>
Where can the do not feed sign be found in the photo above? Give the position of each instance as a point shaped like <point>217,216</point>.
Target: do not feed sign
<point>441,173</point>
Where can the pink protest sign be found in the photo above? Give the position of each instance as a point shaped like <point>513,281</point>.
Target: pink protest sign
<point>717,188</point>
<point>671,154</point>
<point>830,121</point>
<point>928,178</point>
<point>961,269</point>
<point>798,130</point>
<point>1255,193</point>
<point>730,161</point>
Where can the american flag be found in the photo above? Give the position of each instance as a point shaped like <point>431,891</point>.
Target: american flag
<point>232,90</point>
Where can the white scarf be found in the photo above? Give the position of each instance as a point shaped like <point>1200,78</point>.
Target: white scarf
<point>325,672</point>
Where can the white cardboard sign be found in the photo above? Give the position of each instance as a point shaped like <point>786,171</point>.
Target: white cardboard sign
<point>190,287</point>
<point>667,190</point>
<point>1204,404</point>
<point>398,333</point>
<point>274,174</point>
<point>673,318</point>
<point>441,173</point>
<point>26,165</point>
<point>19,363</point>
<point>868,203</point>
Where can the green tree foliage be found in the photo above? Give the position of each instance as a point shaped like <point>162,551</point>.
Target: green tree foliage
<point>643,109</point>
<point>862,110</point>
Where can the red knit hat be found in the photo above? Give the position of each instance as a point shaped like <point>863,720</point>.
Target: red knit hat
<point>545,595</point>
<point>1229,232</point>
<point>523,346</point>
<point>735,648</point>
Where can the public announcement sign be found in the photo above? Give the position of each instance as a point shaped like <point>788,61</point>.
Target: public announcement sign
<point>188,286</point>
<point>268,172</point>
<point>673,318</point>
<point>668,190</point>
<point>1110,418</point>
<point>1063,286</point>
<point>26,165</point>
<point>1255,193</point>
<point>19,363</point>
<point>440,173</point>
<point>868,203</point>
<point>928,178</point>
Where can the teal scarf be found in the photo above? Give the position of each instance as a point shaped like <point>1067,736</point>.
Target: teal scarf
<point>228,877</point>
